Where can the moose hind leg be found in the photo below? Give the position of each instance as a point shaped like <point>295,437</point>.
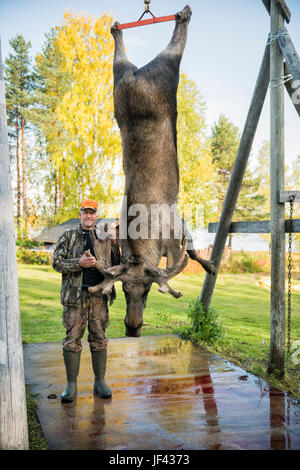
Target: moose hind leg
<point>121,62</point>
<point>178,41</point>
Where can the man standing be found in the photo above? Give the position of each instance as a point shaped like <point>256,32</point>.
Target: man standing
<point>80,307</point>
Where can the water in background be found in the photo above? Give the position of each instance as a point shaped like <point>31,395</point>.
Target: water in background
<point>202,239</point>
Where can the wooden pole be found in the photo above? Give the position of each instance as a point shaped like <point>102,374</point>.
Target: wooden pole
<point>277,341</point>
<point>292,91</point>
<point>283,7</point>
<point>13,416</point>
<point>238,172</point>
<point>262,226</point>
<point>289,53</point>
<point>291,66</point>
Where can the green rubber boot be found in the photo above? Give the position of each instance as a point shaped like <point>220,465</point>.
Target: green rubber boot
<point>99,359</point>
<point>72,362</point>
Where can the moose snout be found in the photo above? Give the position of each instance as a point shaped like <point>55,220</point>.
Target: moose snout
<point>133,331</point>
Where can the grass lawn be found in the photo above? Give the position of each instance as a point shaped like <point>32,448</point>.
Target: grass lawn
<point>242,306</point>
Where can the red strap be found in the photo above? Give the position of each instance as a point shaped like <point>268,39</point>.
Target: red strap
<point>159,19</point>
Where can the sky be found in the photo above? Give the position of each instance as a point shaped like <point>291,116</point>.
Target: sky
<point>223,54</point>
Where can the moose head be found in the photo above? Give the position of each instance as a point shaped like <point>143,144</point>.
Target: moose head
<point>137,276</point>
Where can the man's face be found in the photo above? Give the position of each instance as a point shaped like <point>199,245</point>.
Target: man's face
<point>88,218</point>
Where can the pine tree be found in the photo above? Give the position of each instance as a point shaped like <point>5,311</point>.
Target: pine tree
<point>224,146</point>
<point>53,84</point>
<point>263,170</point>
<point>197,173</point>
<point>19,83</point>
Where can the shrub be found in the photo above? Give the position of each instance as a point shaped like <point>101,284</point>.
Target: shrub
<point>26,256</point>
<point>205,327</point>
<point>26,243</point>
<point>241,262</point>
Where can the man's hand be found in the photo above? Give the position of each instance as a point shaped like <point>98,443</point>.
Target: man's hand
<point>87,261</point>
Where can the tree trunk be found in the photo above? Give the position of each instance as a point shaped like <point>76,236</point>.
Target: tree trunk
<point>61,190</point>
<point>55,192</point>
<point>24,176</point>
<point>13,415</point>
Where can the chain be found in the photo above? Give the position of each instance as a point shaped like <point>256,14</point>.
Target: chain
<point>292,198</point>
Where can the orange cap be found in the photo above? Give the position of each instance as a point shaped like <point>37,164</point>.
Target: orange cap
<point>89,204</point>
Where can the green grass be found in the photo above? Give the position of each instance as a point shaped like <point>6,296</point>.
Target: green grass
<point>242,306</point>
<point>36,436</point>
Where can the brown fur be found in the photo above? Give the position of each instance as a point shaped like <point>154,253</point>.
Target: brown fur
<point>146,112</point>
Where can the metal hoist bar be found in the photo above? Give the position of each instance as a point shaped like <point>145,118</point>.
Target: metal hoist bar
<point>158,19</point>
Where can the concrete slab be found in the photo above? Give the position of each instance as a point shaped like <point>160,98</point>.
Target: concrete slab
<point>167,394</point>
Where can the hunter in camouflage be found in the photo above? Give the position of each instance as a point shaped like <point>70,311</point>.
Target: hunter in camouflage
<point>80,307</point>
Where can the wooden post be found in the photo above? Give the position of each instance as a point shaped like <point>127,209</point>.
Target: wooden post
<point>262,226</point>
<point>283,7</point>
<point>277,341</point>
<point>13,416</point>
<point>238,172</point>
<point>291,66</point>
<point>292,91</point>
<point>289,53</point>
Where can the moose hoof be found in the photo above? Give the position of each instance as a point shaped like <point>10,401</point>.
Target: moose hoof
<point>184,15</point>
<point>114,29</point>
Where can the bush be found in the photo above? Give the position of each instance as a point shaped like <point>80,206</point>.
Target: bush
<point>205,327</point>
<point>26,243</point>
<point>26,256</point>
<point>241,262</point>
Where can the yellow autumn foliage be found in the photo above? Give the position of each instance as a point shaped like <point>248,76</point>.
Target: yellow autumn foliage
<point>86,110</point>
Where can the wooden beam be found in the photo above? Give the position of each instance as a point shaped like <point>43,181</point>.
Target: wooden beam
<point>238,172</point>
<point>283,6</point>
<point>289,53</point>
<point>13,415</point>
<point>284,196</point>
<point>292,90</point>
<point>259,226</point>
<point>277,343</point>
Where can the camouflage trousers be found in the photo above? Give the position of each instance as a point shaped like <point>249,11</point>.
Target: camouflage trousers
<point>93,310</point>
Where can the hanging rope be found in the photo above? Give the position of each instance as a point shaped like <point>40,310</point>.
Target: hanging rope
<point>280,81</point>
<point>291,200</point>
<point>147,9</point>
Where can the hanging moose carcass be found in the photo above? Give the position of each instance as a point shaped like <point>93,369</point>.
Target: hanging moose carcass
<point>146,111</point>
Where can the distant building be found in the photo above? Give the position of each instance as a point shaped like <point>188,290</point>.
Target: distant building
<point>51,235</point>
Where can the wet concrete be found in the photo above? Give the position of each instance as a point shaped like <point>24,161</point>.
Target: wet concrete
<point>167,394</point>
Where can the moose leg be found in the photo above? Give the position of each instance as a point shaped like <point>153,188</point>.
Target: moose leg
<point>206,264</point>
<point>121,62</point>
<point>166,65</point>
<point>178,41</point>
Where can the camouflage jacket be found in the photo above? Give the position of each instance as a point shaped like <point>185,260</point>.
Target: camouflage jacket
<point>69,248</point>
